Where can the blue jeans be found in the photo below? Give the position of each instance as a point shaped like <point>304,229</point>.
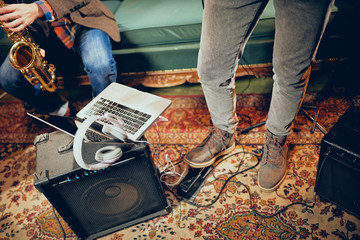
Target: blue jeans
<point>227,26</point>
<point>94,48</point>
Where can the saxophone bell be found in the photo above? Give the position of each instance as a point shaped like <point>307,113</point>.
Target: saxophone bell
<point>27,58</point>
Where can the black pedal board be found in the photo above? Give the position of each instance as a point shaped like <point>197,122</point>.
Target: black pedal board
<point>192,183</point>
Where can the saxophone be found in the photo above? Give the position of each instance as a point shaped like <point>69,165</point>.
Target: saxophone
<point>25,56</point>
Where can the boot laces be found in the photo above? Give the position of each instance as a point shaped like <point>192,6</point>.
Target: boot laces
<point>215,136</point>
<point>274,148</point>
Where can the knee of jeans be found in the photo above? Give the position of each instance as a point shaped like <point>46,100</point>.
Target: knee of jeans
<point>9,81</point>
<point>103,66</point>
<point>229,83</point>
<point>216,78</point>
<point>295,89</point>
<point>292,78</point>
<point>218,83</point>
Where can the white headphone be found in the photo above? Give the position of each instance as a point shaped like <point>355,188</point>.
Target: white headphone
<point>115,130</point>
<point>106,155</point>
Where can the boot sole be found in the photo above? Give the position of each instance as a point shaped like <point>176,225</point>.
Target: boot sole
<point>211,161</point>
<point>274,187</point>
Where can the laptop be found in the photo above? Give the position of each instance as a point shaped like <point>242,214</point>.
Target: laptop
<point>69,125</point>
<point>138,109</point>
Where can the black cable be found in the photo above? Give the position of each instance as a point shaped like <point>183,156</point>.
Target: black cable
<point>53,209</point>
<point>247,189</point>
<point>58,220</point>
<point>227,180</point>
<point>248,85</point>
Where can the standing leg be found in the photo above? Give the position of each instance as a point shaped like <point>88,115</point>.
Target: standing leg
<point>299,28</point>
<point>227,25</point>
<point>95,50</point>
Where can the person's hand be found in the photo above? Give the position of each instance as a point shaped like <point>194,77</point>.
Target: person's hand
<point>16,17</point>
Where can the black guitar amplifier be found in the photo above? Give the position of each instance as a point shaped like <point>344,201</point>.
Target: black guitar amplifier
<point>98,202</point>
<point>338,176</point>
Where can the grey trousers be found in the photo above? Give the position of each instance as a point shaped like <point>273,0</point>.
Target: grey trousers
<point>227,26</point>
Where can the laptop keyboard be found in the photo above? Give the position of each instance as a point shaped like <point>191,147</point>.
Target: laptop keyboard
<point>132,118</point>
<point>95,137</point>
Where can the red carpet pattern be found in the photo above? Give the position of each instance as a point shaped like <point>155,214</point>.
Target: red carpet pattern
<point>27,214</point>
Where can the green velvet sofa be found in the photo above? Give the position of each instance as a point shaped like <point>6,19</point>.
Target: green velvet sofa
<point>160,43</point>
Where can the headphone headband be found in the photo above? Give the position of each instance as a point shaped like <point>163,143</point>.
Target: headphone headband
<point>106,155</point>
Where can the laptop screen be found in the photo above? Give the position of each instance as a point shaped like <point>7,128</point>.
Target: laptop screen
<point>68,125</point>
<point>64,124</point>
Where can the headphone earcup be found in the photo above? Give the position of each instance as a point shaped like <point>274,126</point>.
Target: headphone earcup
<point>115,131</point>
<point>108,153</point>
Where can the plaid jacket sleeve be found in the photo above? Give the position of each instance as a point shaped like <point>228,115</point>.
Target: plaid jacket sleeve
<point>47,9</point>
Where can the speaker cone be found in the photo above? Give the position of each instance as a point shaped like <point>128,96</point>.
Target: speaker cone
<point>112,197</point>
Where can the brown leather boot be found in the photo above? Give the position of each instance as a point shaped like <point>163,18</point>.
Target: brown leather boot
<point>216,144</point>
<point>273,163</point>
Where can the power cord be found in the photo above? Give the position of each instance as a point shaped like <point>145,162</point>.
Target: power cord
<point>247,189</point>
<point>171,172</point>
<point>58,220</point>
<point>53,209</point>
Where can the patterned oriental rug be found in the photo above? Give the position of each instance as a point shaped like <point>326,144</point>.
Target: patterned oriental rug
<point>26,214</point>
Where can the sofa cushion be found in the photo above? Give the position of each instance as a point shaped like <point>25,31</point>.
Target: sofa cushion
<point>165,34</point>
<point>151,23</point>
